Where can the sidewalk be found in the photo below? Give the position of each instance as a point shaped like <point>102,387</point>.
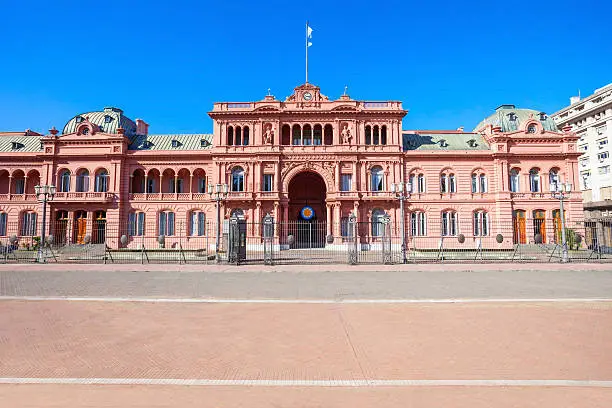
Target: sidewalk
<point>451,267</point>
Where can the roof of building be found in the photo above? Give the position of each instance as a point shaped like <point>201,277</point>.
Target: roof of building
<point>417,140</point>
<point>18,142</point>
<point>171,142</point>
<point>109,120</point>
<point>509,118</point>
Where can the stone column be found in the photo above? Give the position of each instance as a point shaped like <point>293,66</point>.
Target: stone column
<point>257,219</point>
<point>336,219</point>
<point>354,177</point>
<point>329,220</point>
<point>146,186</point>
<point>338,165</point>
<point>175,186</point>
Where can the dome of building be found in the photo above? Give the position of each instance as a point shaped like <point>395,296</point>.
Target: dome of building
<point>510,119</point>
<point>109,120</point>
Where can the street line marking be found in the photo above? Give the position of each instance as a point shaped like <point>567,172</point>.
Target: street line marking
<point>311,383</point>
<point>304,301</point>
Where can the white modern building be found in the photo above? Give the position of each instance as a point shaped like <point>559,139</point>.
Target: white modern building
<point>591,119</point>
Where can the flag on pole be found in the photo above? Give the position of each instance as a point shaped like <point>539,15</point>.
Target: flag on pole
<point>308,34</point>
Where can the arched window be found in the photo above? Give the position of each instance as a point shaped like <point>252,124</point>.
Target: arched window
<point>418,224</point>
<point>166,223</point>
<point>376,135</point>
<point>238,179</point>
<point>238,136</point>
<point>449,223</point>
<point>28,223</point>
<point>64,181</point>
<point>136,223</point>
<point>531,128</point>
<point>82,181</point>
<point>307,135</point>
<point>317,135</point>
<point>421,183</point>
<point>19,183</point>
<point>245,136</point>
<point>377,222</point>
<point>383,135</point>
<point>448,183</point>
<point>515,185</point>
<point>479,183</point>
<point>197,223</point>
<point>553,177</point>
<point>3,218</point>
<point>368,135</point>
<point>101,184</point>
<point>297,135</point>
<point>286,135</point>
<point>377,178</point>
<point>328,135</point>
<point>534,180</point>
<point>230,135</point>
<point>481,223</point>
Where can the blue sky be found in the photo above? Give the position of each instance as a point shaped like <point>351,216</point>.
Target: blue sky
<point>451,63</point>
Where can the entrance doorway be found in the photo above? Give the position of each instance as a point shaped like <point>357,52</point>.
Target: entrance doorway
<point>539,224</point>
<point>99,227</point>
<point>307,210</point>
<point>61,228</point>
<point>520,237</point>
<point>80,226</point>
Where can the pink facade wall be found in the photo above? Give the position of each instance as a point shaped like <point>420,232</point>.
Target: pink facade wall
<point>129,171</point>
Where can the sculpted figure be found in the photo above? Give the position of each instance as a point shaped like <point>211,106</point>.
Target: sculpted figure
<point>346,135</point>
<point>268,135</point>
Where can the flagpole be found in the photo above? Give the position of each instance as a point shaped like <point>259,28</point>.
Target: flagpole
<point>306,51</point>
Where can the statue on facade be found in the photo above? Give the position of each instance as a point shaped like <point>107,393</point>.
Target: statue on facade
<point>346,135</point>
<point>268,135</point>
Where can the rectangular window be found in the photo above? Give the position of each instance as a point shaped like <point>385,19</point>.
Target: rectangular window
<point>421,180</point>
<point>171,186</point>
<point>418,224</point>
<point>3,224</point>
<point>179,186</point>
<point>346,182</point>
<point>136,224</point>
<point>474,183</point>
<point>584,162</point>
<point>28,224</point>
<point>602,143</point>
<point>604,169</point>
<point>150,186</point>
<point>268,181</point>
<point>19,186</point>
<point>201,185</point>
<point>586,180</point>
<point>602,156</point>
<point>166,223</point>
<point>197,224</point>
<point>601,129</point>
<point>583,148</point>
<point>449,223</point>
<point>452,183</point>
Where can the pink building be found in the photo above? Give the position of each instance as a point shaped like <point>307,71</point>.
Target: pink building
<point>332,157</point>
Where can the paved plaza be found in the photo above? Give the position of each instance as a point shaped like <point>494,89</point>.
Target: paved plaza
<point>453,336</point>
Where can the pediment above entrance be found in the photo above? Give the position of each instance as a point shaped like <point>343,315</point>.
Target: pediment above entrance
<point>307,93</point>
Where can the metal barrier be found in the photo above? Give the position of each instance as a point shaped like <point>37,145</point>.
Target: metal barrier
<point>307,242</point>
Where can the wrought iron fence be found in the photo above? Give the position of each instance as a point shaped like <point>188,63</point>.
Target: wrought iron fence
<point>299,242</point>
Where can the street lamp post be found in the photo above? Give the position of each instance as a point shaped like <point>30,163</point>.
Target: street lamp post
<point>560,191</point>
<point>44,193</point>
<point>402,192</point>
<point>218,192</point>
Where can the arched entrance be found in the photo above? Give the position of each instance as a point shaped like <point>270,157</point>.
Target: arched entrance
<point>307,210</point>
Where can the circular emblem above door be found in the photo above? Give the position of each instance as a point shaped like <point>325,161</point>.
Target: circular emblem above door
<point>307,213</point>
